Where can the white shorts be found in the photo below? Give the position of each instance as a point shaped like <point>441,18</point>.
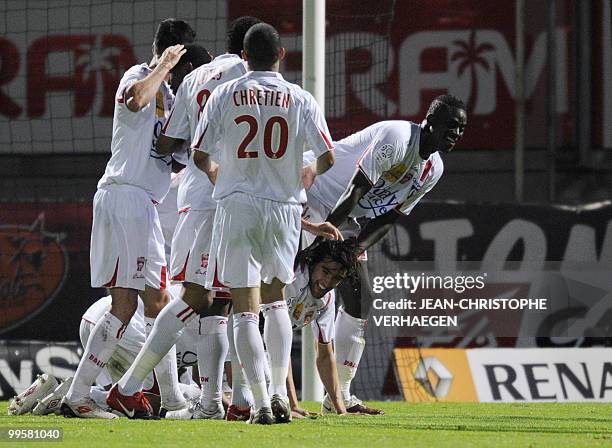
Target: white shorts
<point>254,240</point>
<point>127,244</point>
<point>191,246</point>
<point>122,358</point>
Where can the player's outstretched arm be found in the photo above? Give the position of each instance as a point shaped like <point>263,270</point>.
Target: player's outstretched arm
<point>296,410</point>
<point>357,187</point>
<point>139,94</point>
<point>376,229</point>
<point>324,229</point>
<point>326,365</point>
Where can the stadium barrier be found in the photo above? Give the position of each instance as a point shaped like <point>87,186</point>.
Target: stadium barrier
<point>505,375</point>
<point>21,361</point>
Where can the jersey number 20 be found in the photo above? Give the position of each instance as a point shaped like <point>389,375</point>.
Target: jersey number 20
<point>272,153</point>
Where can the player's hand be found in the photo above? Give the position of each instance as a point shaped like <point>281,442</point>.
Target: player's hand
<point>298,412</point>
<point>212,174</point>
<point>326,230</point>
<point>308,176</point>
<point>171,56</point>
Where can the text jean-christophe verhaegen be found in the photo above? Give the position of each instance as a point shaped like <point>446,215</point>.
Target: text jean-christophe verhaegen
<point>442,295</point>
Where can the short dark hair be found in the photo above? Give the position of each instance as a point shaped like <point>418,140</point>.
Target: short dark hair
<point>342,252</point>
<point>236,32</point>
<point>172,32</point>
<point>196,54</point>
<point>262,45</point>
<point>445,101</point>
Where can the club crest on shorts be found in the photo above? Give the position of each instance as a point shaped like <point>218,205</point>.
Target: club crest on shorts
<point>33,269</point>
<point>140,264</point>
<point>203,265</point>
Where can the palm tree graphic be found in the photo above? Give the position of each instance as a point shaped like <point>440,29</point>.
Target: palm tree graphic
<point>470,56</point>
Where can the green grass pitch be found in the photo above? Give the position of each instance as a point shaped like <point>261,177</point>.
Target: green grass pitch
<point>403,425</point>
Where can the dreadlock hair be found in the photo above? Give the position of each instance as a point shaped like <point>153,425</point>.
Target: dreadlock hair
<point>342,252</point>
<point>447,101</point>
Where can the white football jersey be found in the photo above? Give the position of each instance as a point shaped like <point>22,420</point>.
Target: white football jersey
<point>388,154</point>
<point>259,124</point>
<point>195,190</point>
<point>306,309</point>
<point>134,160</point>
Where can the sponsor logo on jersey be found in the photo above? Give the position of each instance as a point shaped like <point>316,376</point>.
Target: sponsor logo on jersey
<point>33,268</point>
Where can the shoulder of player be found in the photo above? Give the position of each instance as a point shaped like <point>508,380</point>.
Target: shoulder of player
<point>437,165</point>
<point>138,70</point>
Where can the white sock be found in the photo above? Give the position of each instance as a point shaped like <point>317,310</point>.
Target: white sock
<point>251,355</point>
<point>168,325</point>
<point>212,350</point>
<point>166,373</point>
<point>241,394</point>
<point>100,346</point>
<point>278,335</point>
<point>349,344</point>
<point>99,395</point>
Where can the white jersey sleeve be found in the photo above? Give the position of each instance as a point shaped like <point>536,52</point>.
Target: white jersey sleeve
<point>177,125</point>
<point>317,132</point>
<point>323,327</point>
<point>386,152</point>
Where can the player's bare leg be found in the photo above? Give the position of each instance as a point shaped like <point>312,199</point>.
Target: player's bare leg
<point>278,335</point>
<point>250,350</point>
<point>100,347</point>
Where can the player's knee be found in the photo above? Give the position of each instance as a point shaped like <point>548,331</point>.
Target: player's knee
<point>197,297</point>
<point>219,307</point>
<point>123,305</point>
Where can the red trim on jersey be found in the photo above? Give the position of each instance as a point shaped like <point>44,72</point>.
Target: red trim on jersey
<point>328,142</point>
<point>199,142</point>
<point>426,170</point>
<point>88,321</point>
<point>180,277</point>
<point>113,280</point>
<point>162,281</point>
<point>358,164</point>
<point>167,122</point>
<point>184,210</point>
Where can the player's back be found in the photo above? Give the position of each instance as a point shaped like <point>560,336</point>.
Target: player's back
<point>201,82</point>
<point>329,186</point>
<point>264,122</point>
<point>195,190</point>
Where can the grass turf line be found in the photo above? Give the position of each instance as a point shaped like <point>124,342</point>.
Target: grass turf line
<point>404,424</point>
